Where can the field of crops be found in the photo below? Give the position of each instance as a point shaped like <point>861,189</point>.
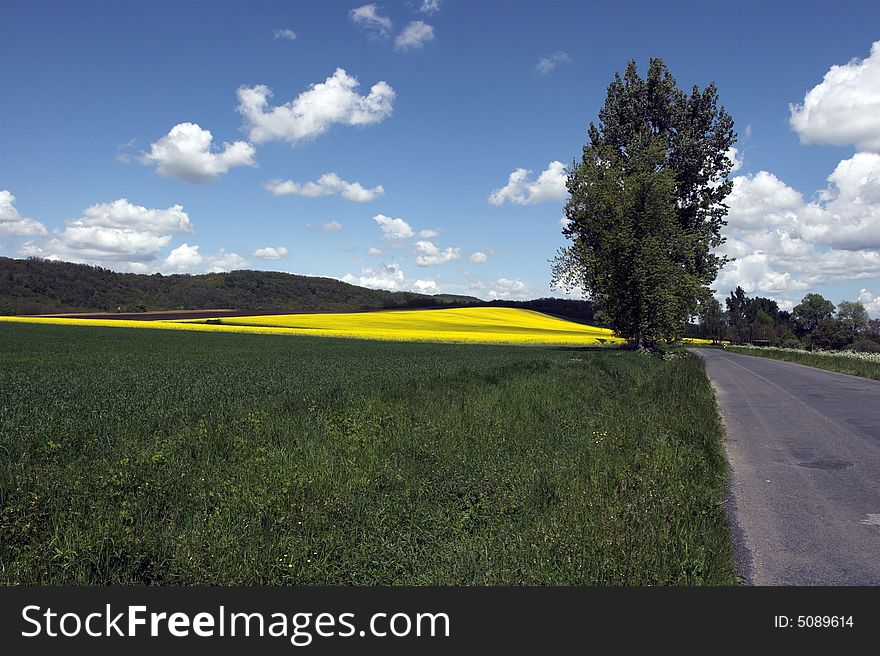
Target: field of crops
<point>462,325</point>
<point>185,457</point>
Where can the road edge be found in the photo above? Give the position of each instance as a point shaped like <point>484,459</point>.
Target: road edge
<point>743,558</point>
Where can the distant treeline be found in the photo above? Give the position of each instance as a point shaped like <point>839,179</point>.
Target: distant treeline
<point>814,323</point>
<point>36,286</point>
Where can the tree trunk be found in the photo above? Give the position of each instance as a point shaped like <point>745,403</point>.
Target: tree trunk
<point>640,343</point>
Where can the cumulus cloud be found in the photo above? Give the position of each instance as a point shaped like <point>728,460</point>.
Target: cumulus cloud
<point>125,215</point>
<point>271,253</point>
<point>430,7</point>
<point>182,259</point>
<point>845,107</point>
<point>372,250</point>
<point>14,224</point>
<point>548,62</point>
<point>429,254</point>
<point>223,261</point>
<point>327,185</point>
<point>78,243</point>
<point>287,34</point>
<point>871,302</point>
<point>394,230</point>
<point>785,244</point>
<point>385,276</point>
<point>428,234</point>
<point>845,215</point>
<point>332,226</point>
<point>510,288</point>
<point>521,189</point>
<point>314,111</point>
<point>187,259</point>
<point>736,157</point>
<point>478,257</point>
<point>118,232</point>
<point>390,277</point>
<point>415,35</point>
<point>371,21</point>
<point>187,153</point>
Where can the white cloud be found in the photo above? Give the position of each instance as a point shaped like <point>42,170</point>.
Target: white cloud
<point>522,190</point>
<point>390,277</point>
<point>13,223</point>
<point>501,288</point>
<point>386,276</point>
<point>478,257</point>
<point>223,261</point>
<point>871,302</point>
<point>332,226</point>
<point>415,35</point>
<point>430,7</point>
<point>271,253</point>
<point>287,34</point>
<point>184,258</point>
<point>77,243</point>
<point>393,230</point>
<point>122,214</point>
<point>187,259</point>
<point>314,111</point>
<point>736,157</point>
<point>785,244</point>
<point>369,18</point>
<point>113,232</point>
<point>328,184</point>
<point>845,215</point>
<point>428,254</point>
<point>372,250</point>
<point>428,234</point>
<point>548,62</point>
<point>845,107</point>
<point>187,153</point>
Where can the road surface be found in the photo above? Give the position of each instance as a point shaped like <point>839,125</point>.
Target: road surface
<point>803,446</point>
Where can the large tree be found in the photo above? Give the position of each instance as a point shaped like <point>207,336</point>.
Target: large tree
<point>810,313</point>
<point>658,158</point>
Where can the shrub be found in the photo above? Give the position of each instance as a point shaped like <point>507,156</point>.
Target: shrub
<point>789,340</point>
<point>864,345</point>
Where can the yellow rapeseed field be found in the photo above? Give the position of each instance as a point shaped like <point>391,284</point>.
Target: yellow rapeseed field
<point>463,325</point>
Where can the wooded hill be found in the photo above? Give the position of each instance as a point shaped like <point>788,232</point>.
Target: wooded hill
<point>35,286</point>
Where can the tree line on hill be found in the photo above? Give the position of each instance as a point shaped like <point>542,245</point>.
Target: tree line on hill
<point>814,323</point>
<point>36,286</point>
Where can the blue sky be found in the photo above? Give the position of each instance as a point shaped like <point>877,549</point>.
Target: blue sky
<point>437,103</point>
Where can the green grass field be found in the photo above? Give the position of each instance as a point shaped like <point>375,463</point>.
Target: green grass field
<point>866,365</point>
<point>165,457</point>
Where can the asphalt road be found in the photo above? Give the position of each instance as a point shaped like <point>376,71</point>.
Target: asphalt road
<point>803,446</point>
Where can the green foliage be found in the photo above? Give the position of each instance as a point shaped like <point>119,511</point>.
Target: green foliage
<point>762,326</point>
<point>646,204</point>
<point>810,313</point>
<point>712,320</point>
<point>865,345</point>
<point>790,341</point>
<point>853,316</point>
<point>738,316</point>
<point>34,286</point>
<point>154,457</point>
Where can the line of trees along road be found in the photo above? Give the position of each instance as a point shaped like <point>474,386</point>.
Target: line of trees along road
<point>814,323</point>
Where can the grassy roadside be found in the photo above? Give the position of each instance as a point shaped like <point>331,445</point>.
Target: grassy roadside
<point>154,457</point>
<point>855,364</point>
